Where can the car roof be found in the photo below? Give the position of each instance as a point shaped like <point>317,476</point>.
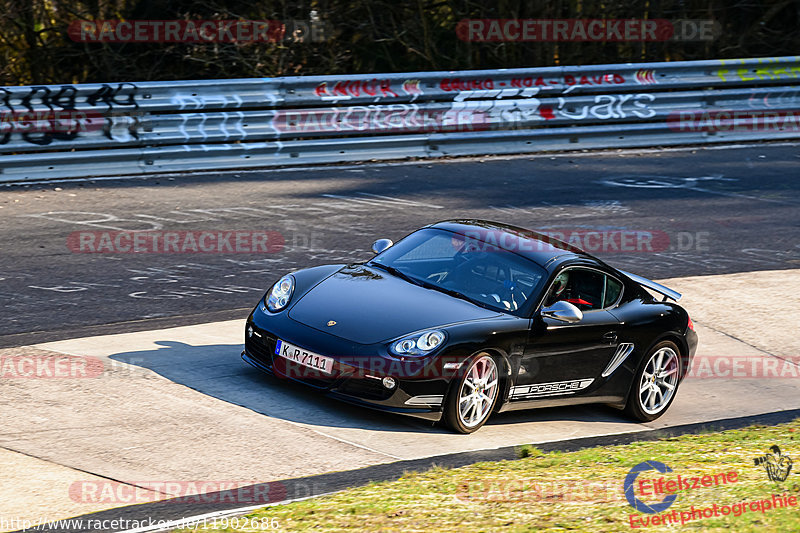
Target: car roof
<point>542,249</point>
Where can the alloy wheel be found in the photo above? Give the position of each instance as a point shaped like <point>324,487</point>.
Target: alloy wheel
<point>478,391</point>
<point>659,381</point>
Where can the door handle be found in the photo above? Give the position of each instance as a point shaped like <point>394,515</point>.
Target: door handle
<point>611,336</point>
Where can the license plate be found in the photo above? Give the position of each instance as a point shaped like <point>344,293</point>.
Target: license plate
<point>304,357</point>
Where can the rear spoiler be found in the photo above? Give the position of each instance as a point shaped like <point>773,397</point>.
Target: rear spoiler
<point>652,285</point>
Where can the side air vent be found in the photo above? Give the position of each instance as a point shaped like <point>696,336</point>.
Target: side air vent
<point>622,353</point>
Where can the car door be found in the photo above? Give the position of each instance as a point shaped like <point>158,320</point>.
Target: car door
<point>562,359</point>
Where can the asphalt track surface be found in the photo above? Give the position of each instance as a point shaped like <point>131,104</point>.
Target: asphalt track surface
<point>723,210</point>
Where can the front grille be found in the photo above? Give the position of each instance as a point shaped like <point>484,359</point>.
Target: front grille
<point>371,389</point>
<point>261,349</point>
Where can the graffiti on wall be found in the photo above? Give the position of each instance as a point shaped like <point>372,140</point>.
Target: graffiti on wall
<point>459,89</point>
<point>40,115</point>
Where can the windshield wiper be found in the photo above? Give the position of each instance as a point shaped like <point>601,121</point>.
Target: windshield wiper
<point>450,292</point>
<point>396,272</point>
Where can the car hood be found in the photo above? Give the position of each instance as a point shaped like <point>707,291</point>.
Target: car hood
<point>369,306</point>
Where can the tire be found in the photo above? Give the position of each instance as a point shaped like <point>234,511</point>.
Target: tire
<point>467,408</point>
<point>652,392</point>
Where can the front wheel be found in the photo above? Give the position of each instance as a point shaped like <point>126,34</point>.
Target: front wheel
<point>473,395</point>
<point>655,383</point>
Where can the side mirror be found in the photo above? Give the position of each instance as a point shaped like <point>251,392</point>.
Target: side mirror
<point>381,245</point>
<point>564,312</point>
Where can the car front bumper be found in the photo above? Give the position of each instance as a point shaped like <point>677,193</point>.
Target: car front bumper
<point>357,377</point>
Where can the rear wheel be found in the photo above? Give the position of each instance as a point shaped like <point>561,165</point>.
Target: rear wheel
<point>655,383</point>
<point>473,395</point>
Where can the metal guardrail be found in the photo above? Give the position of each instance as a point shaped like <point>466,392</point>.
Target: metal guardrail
<point>136,128</point>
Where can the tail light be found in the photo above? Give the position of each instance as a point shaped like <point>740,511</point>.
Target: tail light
<point>690,324</point>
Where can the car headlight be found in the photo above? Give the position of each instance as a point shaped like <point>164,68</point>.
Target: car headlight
<point>419,343</point>
<point>281,293</point>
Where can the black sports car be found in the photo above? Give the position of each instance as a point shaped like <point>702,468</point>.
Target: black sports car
<point>467,317</point>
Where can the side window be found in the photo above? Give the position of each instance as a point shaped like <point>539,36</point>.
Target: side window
<point>613,290</point>
<point>580,287</point>
<point>588,290</point>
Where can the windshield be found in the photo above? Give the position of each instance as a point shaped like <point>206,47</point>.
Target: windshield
<point>464,267</point>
